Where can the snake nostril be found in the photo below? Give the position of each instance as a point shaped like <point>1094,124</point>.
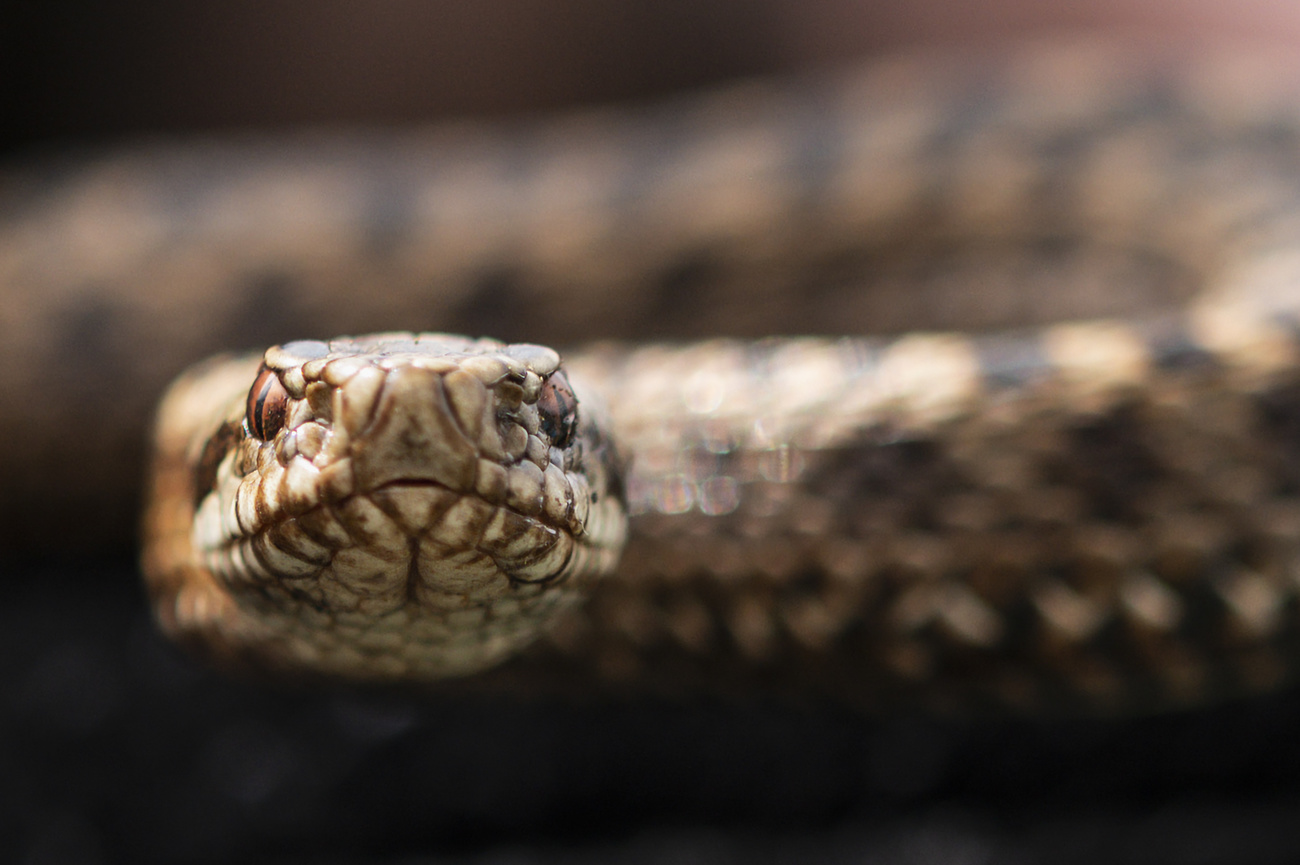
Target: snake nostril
<point>268,404</point>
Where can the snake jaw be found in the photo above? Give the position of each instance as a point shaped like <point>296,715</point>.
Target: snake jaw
<point>437,500</point>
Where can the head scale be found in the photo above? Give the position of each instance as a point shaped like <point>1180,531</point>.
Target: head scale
<point>423,501</point>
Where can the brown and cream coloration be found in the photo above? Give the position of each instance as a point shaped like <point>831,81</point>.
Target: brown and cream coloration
<point>398,505</point>
<point>1052,461</point>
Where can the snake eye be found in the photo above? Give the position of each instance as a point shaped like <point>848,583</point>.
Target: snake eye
<point>268,404</point>
<point>557,408</point>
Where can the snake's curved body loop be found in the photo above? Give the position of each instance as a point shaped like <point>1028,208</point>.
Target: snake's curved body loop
<point>1091,496</point>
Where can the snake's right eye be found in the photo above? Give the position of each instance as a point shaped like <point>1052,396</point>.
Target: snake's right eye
<point>268,404</point>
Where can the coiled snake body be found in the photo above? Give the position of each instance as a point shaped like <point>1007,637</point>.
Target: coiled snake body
<point>1089,495</point>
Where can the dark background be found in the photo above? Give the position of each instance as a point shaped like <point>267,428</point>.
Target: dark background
<point>79,72</point>
<point>115,748</point>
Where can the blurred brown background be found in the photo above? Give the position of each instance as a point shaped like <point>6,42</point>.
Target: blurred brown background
<point>82,72</point>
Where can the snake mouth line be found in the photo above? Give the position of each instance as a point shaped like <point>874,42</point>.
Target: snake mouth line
<point>408,482</point>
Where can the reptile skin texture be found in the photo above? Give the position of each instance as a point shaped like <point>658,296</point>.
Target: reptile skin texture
<point>1061,471</point>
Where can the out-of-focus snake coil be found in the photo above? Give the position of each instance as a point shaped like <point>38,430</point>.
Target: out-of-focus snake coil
<point>1064,473</point>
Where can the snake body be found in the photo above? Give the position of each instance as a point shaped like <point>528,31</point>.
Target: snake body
<point>1064,473</point>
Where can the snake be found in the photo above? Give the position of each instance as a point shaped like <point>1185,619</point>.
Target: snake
<point>961,381</point>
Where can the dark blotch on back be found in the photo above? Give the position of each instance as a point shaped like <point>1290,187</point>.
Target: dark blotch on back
<point>881,469</point>
<point>1279,414</point>
<point>1113,460</point>
<point>879,464</point>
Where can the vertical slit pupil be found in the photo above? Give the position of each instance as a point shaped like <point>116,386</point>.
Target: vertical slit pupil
<point>268,404</point>
<point>558,409</point>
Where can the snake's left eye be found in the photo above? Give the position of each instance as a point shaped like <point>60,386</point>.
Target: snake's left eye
<point>268,404</point>
<point>557,407</point>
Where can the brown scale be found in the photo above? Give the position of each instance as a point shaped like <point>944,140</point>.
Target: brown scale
<point>1040,519</point>
<point>1073,604</point>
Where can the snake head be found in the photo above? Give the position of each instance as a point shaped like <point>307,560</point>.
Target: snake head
<point>406,504</point>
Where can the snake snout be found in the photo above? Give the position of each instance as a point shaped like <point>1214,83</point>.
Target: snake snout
<point>414,436</point>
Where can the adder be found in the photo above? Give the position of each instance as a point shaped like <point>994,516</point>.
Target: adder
<point>965,381</point>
